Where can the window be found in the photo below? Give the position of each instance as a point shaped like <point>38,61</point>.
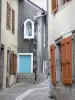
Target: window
<point>28,29</point>
<point>54,6</point>
<point>57,3</point>
<point>64,60</point>
<point>8,16</point>
<point>66,56</point>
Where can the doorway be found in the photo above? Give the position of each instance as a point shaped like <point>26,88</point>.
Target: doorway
<point>8,68</point>
<point>58,63</point>
<point>1,66</point>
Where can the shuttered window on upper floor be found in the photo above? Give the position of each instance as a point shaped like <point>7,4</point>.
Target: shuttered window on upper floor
<point>8,15</point>
<point>13,21</point>
<point>54,6</point>
<point>66,54</point>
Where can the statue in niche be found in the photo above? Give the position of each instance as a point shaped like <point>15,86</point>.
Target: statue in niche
<point>29,28</point>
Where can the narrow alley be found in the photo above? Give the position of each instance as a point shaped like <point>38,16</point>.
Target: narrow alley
<point>25,91</point>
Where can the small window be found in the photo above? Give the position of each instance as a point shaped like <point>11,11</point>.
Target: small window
<point>28,29</point>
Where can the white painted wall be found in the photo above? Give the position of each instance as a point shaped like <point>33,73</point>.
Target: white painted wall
<point>41,3</point>
<point>8,39</point>
<point>61,22</point>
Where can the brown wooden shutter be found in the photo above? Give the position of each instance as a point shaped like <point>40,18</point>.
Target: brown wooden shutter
<point>66,54</point>
<point>8,16</point>
<point>11,63</point>
<point>54,5</point>
<point>63,58</point>
<point>53,70</point>
<point>13,21</point>
<point>69,60</point>
<point>15,64</point>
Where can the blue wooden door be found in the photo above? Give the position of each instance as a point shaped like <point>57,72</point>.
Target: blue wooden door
<point>25,63</point>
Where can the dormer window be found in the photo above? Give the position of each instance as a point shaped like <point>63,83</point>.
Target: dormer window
<point>28,29</point>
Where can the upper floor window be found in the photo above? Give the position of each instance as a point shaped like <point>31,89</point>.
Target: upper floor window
<point>10,18</point>
<point>28,29</point>
<point>57,3</point>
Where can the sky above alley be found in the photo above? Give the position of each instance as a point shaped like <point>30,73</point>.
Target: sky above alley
<point>41,3</point>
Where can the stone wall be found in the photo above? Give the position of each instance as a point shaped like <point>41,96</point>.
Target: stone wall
<point>22,77</point>
<point>65,93</point>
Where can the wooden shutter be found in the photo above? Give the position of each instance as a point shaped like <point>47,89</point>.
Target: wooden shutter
<point>66,55</point>
<point>54,5</point>
<point>63,59</point>
<point>69,60</point>
<point>53,70</point>
<point>13,21</point>
<point>8,16</point>
<point>11,63</point>
<point>15,63</point>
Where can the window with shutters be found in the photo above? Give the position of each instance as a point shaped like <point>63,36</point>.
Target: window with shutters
<point>66,54</point>
<point>8,16</point>
<point>52,63</point>
<point>54,6</point>
<point>13,21</point>
<point>64,60</point>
